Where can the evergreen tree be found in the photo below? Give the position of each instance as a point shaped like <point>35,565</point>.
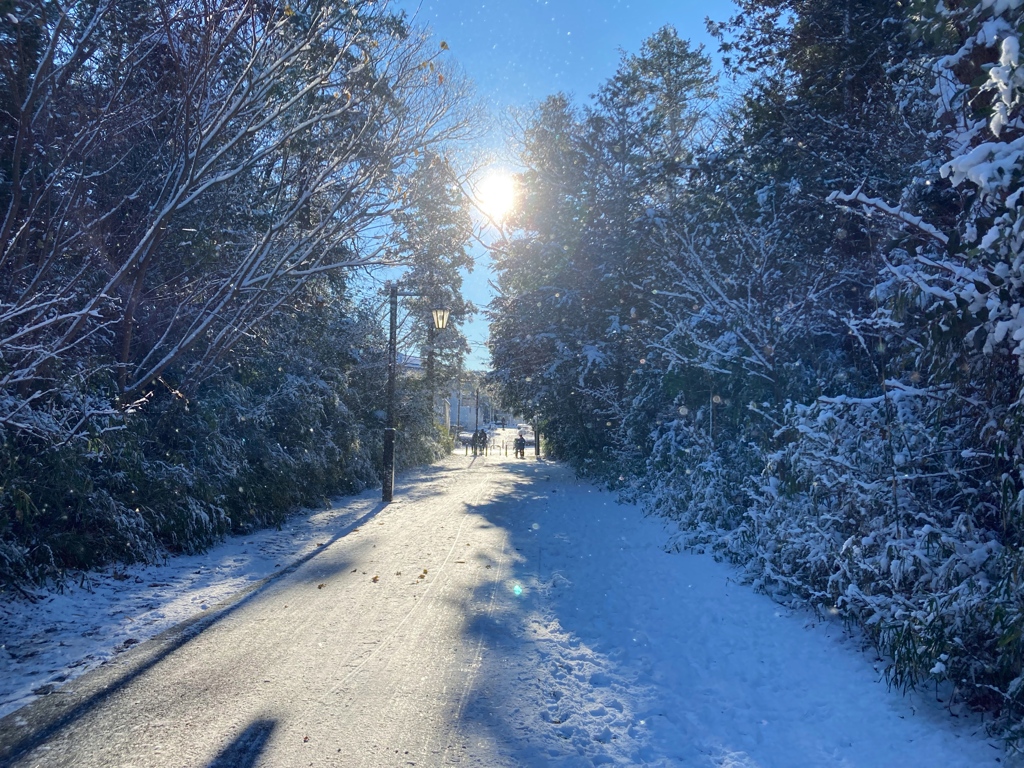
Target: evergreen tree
<point>578,268</point>
<point>433,234</point>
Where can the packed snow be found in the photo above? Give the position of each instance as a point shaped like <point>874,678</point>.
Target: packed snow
<point>601,647</point>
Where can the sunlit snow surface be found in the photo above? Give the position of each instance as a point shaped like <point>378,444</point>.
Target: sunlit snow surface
<point>600,647</point>
<point>102,614</point>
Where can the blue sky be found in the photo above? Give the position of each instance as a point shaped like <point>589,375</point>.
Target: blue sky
<point>520,51</point>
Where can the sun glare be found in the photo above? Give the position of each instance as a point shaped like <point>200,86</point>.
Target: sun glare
<point>496,195</point>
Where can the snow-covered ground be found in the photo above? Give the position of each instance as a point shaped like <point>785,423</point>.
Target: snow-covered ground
<point>92,619</point>
<point>598,647</point>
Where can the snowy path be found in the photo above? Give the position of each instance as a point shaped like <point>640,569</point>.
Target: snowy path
<point>517,618</point>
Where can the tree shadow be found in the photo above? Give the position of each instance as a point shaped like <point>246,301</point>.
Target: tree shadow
<point>535,647</point>
<point>33,725</point>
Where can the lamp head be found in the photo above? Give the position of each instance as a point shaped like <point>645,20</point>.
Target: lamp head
<point>440,318</point>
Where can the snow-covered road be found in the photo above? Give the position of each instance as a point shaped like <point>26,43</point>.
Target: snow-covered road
<point>498,614</point>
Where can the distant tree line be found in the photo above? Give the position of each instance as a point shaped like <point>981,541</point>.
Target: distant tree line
<point>790,319</point>
<point>189,192</point>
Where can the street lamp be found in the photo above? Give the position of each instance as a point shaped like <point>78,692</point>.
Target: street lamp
<point>440,318</point>
<point>715,400</point>
<point>440,323</point>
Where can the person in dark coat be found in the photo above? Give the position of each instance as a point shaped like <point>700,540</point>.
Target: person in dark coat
<point>520,446</point>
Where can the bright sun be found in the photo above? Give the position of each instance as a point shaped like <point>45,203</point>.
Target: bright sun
<point>496,195</point>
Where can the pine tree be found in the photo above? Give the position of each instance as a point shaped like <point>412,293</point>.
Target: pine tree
<point>434,230</point>
<point>579,265</point>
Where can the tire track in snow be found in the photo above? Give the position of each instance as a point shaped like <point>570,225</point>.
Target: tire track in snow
<point>477,491</point>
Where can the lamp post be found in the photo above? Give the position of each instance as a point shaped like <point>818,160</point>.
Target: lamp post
<point>715,400</point>
<point>440,317</point>
<point>458,416</point>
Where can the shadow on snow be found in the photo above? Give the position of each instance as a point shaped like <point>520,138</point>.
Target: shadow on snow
<point>552,686</point>
<point>32,726</point>
<point>245,750</point>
